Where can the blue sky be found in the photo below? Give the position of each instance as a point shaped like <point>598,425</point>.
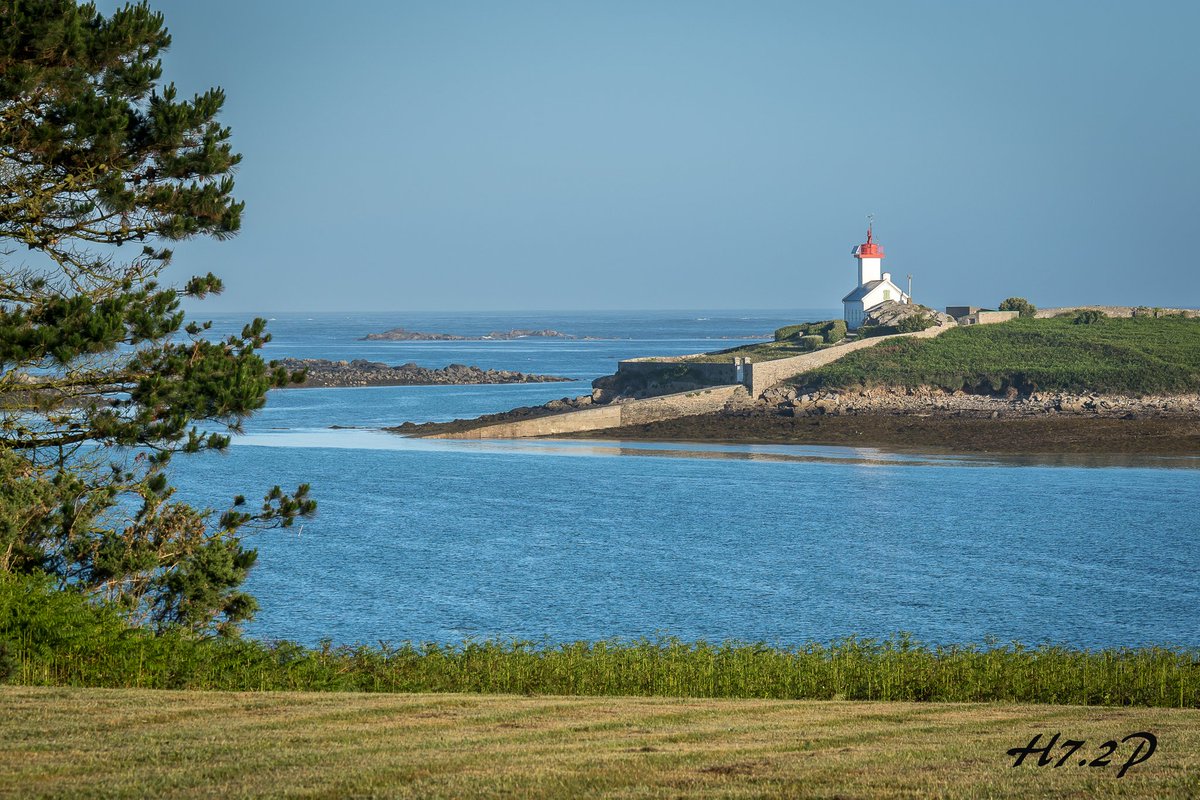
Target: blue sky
<point>629,155</point>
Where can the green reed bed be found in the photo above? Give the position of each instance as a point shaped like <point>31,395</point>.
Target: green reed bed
<point>54,638</point>
<point>852,669</point>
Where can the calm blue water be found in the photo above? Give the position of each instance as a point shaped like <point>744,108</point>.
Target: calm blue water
<point>558,541</point>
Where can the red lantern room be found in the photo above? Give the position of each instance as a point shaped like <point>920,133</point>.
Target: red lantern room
<point>869,248</point>
<point>870,259</point>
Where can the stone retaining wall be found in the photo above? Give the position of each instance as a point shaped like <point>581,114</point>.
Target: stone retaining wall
<point>763,375</point>
<point>757,378</point>
<point>988,317</point>
<point>1117,311</point>
<point>716,374</point>
<point>616,415</point>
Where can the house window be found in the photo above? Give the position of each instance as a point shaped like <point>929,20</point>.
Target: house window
<point>887,294</point>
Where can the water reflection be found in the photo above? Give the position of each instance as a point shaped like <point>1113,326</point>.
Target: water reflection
<point>367,439</point>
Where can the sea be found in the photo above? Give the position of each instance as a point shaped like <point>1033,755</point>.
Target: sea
<point>555,541</point>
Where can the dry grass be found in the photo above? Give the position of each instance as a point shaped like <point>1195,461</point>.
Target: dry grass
<point>132,743</point>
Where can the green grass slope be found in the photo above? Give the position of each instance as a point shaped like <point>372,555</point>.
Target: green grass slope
<point>1133,356</point>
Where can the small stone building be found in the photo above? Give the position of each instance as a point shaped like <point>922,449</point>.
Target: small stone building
<point>973,315</point>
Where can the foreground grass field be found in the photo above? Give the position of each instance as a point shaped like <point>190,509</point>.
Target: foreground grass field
<point>60,742</point>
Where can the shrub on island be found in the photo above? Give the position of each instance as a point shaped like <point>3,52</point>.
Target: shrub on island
<point>810,342</point>
<point>1089,317</point>
<point>830,331</point>
<point>1019,304</point>
<point>836,331</point>
<point>913,324</point>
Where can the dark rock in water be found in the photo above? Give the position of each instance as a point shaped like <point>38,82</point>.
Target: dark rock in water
<point>403,335</point>
<point>524,333</point>
<point>321,372</point>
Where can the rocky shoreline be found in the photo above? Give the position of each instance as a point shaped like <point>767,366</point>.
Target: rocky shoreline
<point>917,419</point>
<point>1061,434</point>
<point>930,401</point>
<point>931,420</point>
<point>323,373</point>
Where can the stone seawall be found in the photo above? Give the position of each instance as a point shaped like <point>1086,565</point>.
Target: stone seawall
<point>1119,311</point>
<point>756,376</point>
<point>713,373</point>
<point>616,415</point>
<point>762,375</point>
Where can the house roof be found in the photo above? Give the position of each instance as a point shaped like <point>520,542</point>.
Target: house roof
<point>866,289</point>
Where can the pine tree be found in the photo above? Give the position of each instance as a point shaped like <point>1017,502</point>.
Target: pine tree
<point>101,380</point>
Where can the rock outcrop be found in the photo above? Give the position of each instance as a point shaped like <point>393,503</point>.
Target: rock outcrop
<point>404,335</point>
<point>360,372</point>
<point>891,314</point>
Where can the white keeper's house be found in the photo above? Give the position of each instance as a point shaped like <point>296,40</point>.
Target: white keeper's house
<point>874,286</point>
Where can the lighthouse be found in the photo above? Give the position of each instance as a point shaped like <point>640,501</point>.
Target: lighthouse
<point>874,285</point>
<point>870,259</point>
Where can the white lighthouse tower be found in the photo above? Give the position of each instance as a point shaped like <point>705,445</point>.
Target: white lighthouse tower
<point>874,285</point>
<point>870,259</point>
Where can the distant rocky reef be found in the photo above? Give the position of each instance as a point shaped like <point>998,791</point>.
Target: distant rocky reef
<point>404,335</point>
<point>323,373</point>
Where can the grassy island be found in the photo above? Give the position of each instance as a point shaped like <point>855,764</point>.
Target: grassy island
<point>1136,355</point>
<point>1082,382</point>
